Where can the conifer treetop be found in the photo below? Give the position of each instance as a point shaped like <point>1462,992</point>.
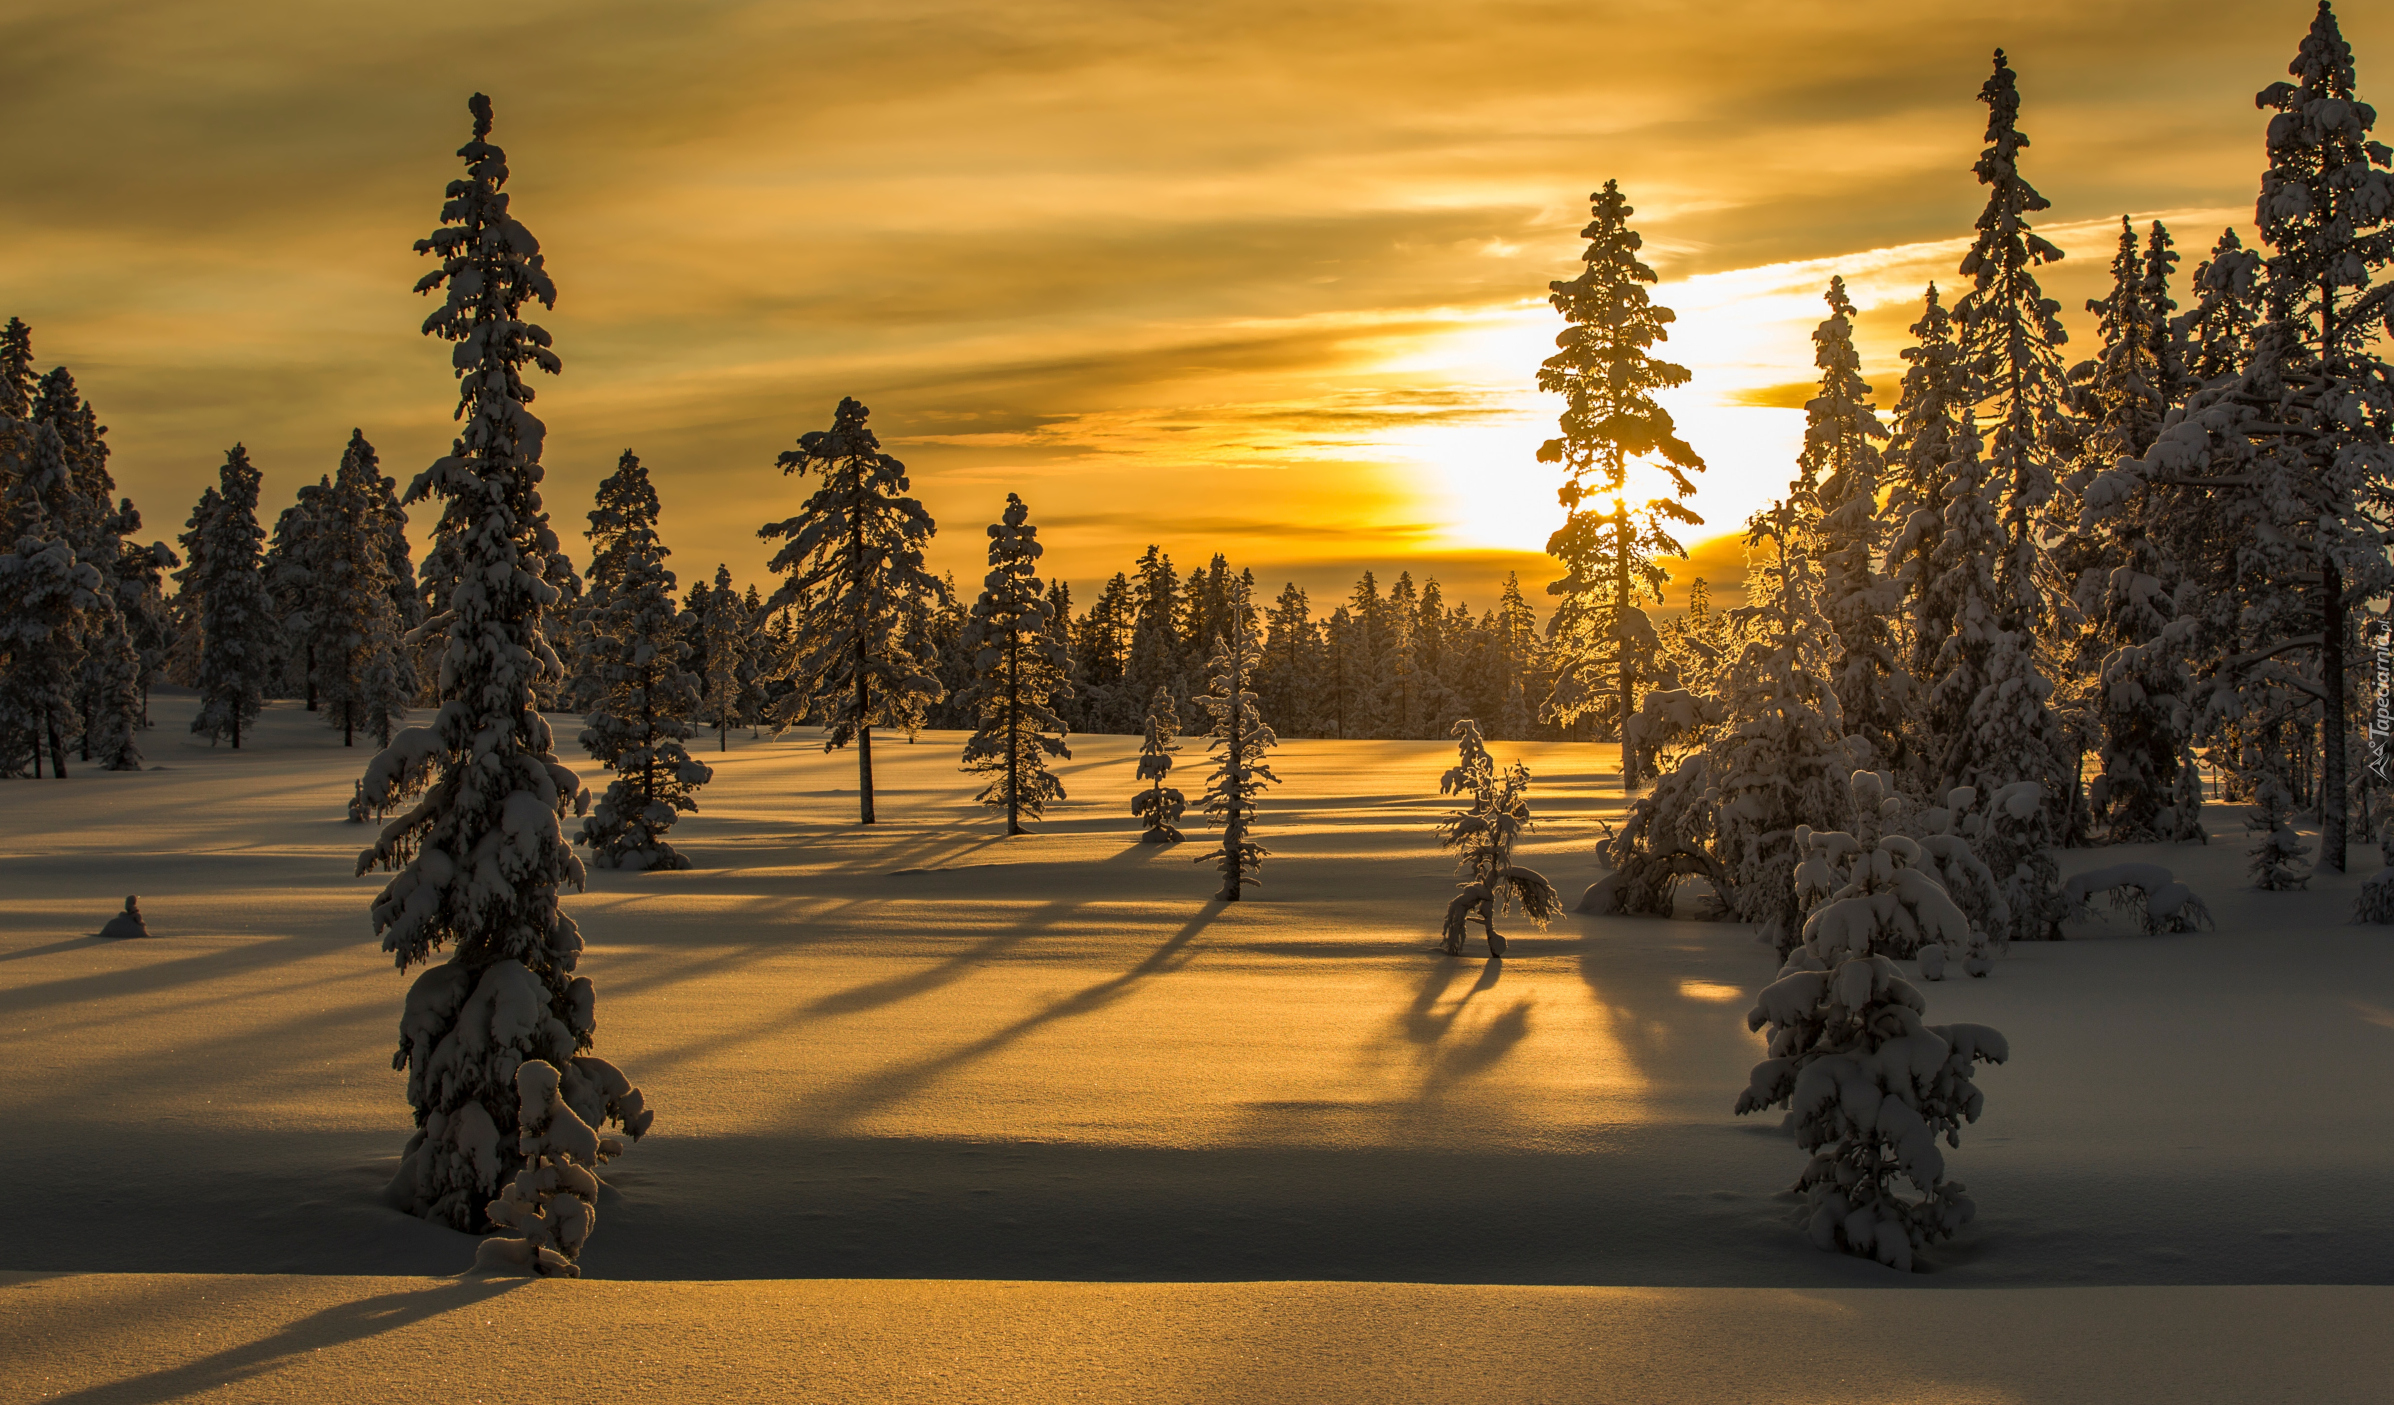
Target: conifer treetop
<point>2326,206</point>
<point>1603,368</point>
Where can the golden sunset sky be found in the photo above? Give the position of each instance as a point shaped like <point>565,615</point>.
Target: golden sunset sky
<point>1265,278</point>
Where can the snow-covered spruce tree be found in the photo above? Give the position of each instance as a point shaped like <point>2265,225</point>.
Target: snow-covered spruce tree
<point>633,653</point>
<point>1869,1084</point>
<point>625,500</point>
<point>1607,374</point>
<point>1239,740</point>
<point>1987,713</point>
<point>1159,806</point>
<point>1761,757</point>
<point>2217,332</point>
<point>726,626</point>
<point>2284,468</point>
<point>360,671</point>
<point>853,568</point>
<point>2011,333</point>
<point>1922,445</point>
<point>107,704</point>
<point>2278,851</point>
<point>239,636</point>
<point>1783,757</point>
<point>1841,454</point>
<point>1482,834</point>
<point>2133,647</point>
<point>489,851</point>
<point>2160,307</point>
<point>43,587</point>
<point>1019,670</point>
<point>293,571</point>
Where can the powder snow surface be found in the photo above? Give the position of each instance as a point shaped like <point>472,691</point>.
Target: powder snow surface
<point>923,1050</point>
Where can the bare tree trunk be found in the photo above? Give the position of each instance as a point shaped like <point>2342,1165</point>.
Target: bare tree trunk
<point>864,736</point>
<point>2334,725</point>
<point>1013,737</point>
<point>1630,765</point>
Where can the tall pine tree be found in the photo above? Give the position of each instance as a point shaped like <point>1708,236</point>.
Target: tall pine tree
<point>239,635</point>
<point>852,562</point>
<point>1239,740</point>
<point>487,841</point>
<point>1607,374</point>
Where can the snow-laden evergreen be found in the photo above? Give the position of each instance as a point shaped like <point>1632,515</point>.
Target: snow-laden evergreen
<point>1923,443</point>
<point>239,634</point>
<point>107,709</point>
<point>1238,740</point>
<point>1841,455</point>
<point>1869,1085</point>
<point>725,626</point>
<point>2278,857</point>
<point>1607,374</point>
<point>1159,806</point>
<point>1755,761</point>
<point>1482,834</point>
<point>488,846</point>
<point>1019,670</point>
<point>363,675</point>
<point>2011,339</point>
<point>293,569</point>
<point>43,587</point>
<point>634,657</point>
<point>2217,332</point>
<point>623,499</point>
<point>2279,474</point>
<point>852,565</point>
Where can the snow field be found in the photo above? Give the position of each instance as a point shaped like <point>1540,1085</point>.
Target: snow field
<point>105,1339</point>
<point>927,1051</point>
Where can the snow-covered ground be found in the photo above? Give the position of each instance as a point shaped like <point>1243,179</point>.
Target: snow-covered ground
<point>922,1050</point>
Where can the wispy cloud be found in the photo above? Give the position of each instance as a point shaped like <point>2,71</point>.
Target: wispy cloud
<point>1267,277</point>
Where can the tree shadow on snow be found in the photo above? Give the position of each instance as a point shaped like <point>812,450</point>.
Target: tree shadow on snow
<point>70,944</point>
<point>871,1094</point>
<point>1449,1056</point>
<point>334,1326</point>
<point>871,995</point>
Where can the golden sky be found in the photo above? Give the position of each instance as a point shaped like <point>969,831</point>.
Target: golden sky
<point>1262,278</point>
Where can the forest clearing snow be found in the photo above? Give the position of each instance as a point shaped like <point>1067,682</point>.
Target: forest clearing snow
<point>922,1050</point>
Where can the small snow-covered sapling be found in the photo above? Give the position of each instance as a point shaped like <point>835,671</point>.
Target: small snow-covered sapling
<point>2279,852</point>
<point>1158,807</point>
<point>1484,832</point>
<point>552,1204</point>
<point>127,923</point>
<point>1871,1086</point>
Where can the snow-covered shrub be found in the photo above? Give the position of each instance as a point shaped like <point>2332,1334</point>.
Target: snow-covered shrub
<point>2278,852</point>
<point>552,1203</point>
<point>127,923</point>
<point>1886,889</point>
<point>1945,833</point>
<point>1483,832</point>
<point>1159,806</point>
<point>1870,1086</point>
<point>2376,902</point>
<point>2158,900</point>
